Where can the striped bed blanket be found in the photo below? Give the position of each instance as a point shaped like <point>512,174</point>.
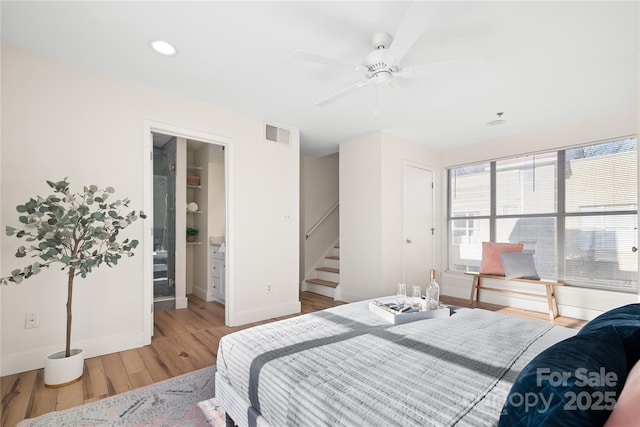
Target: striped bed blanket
<point>346,366</point>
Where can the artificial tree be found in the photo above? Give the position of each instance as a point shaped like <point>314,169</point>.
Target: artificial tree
<point>78,230</point>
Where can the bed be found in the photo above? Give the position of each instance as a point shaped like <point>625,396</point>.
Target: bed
<point>346,366</point>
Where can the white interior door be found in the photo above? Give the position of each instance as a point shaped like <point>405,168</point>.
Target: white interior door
<point>418,224</point>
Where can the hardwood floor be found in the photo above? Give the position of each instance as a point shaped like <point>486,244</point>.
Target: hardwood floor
<point>184,340</point>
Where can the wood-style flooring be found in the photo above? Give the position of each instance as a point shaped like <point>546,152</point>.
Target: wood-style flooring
<point>184,340</point>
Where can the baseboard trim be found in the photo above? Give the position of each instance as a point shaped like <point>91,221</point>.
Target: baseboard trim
<point>183,302</point>
<point>14,363</point>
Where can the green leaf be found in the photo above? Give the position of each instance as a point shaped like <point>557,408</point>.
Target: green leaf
<point>10,230</point>
<point>53,252</point>
<point>62,185</point>
<point>21,208</point>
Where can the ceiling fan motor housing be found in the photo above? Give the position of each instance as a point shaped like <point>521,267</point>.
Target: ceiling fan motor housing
<point>381,40</point>
<point>378,61</point>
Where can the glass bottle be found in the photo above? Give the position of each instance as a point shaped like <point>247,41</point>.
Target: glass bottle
<point>433,293</point>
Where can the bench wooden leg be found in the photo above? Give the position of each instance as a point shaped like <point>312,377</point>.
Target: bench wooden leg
<point>555,302</point>
<point>475,290</point>
<point>552,302</point>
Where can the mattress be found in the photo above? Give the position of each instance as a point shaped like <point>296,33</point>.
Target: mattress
<point>347,366</point>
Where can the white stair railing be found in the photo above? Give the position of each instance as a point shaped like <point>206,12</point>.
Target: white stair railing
<point>321,220</point>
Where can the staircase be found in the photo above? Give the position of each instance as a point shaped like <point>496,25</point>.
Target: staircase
<point>326,276</point>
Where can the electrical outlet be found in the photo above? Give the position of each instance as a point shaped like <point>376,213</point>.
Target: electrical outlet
<point>31,320</point>
<point>269,288</point>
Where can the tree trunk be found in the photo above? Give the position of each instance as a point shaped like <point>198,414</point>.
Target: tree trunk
<point>72,273</point>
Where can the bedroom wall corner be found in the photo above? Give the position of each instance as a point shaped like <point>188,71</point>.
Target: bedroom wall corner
<point>371,215</point>
<point>360,218</point>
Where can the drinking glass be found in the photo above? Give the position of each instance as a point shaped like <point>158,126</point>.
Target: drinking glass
<point>401,295</point>
<point>416,297</point>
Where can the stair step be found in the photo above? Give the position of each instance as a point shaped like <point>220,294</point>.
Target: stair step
<point>321,282</point>
<point>329,269</point>
<point>332,257</point>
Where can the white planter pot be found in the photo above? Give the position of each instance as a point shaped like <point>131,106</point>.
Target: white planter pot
<point>60,371</point>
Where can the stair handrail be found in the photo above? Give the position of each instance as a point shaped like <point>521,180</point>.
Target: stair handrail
<point>321,220</point>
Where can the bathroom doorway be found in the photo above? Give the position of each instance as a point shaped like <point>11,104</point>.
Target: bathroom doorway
<point>189,221</point>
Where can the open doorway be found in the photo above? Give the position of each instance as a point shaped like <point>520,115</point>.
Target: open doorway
<point>189,221</point>
<point>189,204</point>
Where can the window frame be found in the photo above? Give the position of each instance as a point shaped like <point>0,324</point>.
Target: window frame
<point>560,215</point>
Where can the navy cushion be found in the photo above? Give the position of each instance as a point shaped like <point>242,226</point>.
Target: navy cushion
<point>626,321</point>
<point>575,382</point>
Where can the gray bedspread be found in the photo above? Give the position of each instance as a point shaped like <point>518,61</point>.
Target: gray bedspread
<point>346,366</point>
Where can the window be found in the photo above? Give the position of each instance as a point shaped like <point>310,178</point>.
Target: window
<point>574,209</point>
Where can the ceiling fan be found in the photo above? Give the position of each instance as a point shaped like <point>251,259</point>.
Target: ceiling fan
<point>383,64</point>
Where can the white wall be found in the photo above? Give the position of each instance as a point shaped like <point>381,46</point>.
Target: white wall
<point>61,120</point>
<point>319,186</point>
<point>371,191</point>
<point>360,218</point>
<point>582,303</point>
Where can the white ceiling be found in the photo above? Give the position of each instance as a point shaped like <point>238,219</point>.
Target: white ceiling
<point>545,63</point>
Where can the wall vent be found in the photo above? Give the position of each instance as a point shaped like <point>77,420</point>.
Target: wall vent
<point>276,134</point>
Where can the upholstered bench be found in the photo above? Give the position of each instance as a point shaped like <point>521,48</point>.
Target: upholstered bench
<point>550,294</point>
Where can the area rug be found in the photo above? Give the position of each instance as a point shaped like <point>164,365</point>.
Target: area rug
<point>172,402</point>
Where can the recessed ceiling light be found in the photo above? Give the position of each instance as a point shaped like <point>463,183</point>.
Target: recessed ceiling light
<point>498,121</point>
<point>163,48</point>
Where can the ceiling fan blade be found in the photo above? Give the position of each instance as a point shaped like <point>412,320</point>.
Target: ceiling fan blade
<point>440,66</point>
<point>413,24</point>
<point>343,92</point>
<point>325,60</point>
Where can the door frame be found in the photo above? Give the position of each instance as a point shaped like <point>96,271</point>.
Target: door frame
<point>405,164</point>
<point>150,126</point>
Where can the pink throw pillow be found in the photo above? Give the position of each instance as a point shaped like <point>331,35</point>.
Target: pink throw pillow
<point>491,262</point>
